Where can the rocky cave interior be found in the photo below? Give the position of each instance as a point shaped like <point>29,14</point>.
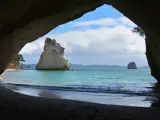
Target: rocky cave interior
<point>25,21</point>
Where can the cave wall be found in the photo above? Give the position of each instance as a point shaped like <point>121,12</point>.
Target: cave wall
<point>145,14</point>
<point>25,21</point>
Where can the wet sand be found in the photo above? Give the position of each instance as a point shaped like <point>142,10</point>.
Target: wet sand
<point>18,106</point>
<point>72,94</point>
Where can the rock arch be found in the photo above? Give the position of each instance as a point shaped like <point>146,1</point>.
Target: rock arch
<point>22,21</point>
<point>30,19</point>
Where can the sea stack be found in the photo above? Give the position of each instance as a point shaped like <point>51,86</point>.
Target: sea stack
<point>132,65</point>
<point>52,57</point>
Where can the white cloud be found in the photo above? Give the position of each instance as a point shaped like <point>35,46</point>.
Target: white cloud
<point>105,45</point>
<point>126,21</point>
<point>106,22</point>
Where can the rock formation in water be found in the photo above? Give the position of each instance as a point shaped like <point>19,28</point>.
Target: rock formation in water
<point>27,21</point>
<point>52,57</point>
<point>23,21</point>
<point>132,65</point>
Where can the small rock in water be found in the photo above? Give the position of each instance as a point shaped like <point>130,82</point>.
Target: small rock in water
<point>132,65</point>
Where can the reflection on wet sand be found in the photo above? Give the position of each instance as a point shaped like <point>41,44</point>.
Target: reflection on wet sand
<point>34,92</point>
<point>148,99</point>
<point>12,87</point>
<point>49,95</point>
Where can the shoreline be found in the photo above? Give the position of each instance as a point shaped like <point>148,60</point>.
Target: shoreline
<point>74,89</point>
<point>45,108</point>
<point>93,97</point>
<point>10,69</point>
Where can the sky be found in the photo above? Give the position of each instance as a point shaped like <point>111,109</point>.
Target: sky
<point>101,37</point>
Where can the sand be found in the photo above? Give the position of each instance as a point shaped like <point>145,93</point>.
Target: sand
<point>15,106</point>
<point>10,69</point>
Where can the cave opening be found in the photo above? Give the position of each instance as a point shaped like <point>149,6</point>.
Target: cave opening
<point>25,21</point>
<point>97,32</point>
<point>98,46</point>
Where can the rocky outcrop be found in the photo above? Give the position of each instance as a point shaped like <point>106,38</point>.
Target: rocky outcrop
<point>22,21</point>
<point>26,21</point>
<point>132,65</point>
<point>52,57</point>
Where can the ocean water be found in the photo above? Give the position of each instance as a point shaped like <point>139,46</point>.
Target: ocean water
<point>110,85</point>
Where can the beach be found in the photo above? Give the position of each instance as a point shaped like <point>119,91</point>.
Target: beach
<point>93,97</point>
<point>80,95</point>
<point>19,106</point>
<point>10,69</point>
<point>116,85</point>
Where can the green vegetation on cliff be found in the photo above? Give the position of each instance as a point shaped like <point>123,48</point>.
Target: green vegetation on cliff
<point>15,61</point>
<point>139,31</point>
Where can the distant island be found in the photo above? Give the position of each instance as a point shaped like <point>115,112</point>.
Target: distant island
<point>132,65</point>
<point>71,66</point>
<point>78,66</point>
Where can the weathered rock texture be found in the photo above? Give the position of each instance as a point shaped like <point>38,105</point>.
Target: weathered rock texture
<point>52,57</point>
<point>24,21</point>
<point>132,65</point>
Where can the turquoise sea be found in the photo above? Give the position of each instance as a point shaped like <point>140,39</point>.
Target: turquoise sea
<point>107,85</point>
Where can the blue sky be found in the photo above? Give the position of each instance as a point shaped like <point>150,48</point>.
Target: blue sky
<point>104,11</point>
<point>102,36</point>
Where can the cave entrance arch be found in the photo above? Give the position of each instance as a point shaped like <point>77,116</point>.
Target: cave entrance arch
<point>27,21</point>
<point>32,22</point>
<point>97,32</point>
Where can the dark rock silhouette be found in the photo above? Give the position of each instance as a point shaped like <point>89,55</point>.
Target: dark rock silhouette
<point>27,20</point>
<point>132,65</point>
